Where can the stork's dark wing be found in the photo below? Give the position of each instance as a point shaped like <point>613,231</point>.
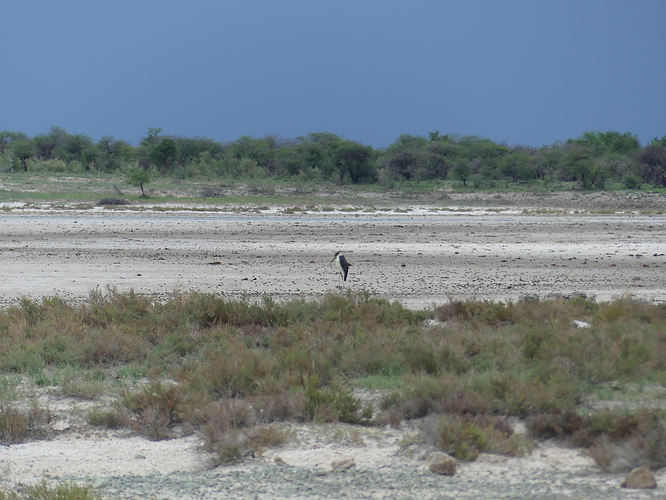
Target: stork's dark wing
<point>344,265</point>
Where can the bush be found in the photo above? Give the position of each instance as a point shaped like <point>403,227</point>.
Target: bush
<point>15,424</point>
<point>331,405</point>
<point>464,437</point>
<point>63,491</point>
<point>111,419</point>
<point>632,182</point>
<point>157,407</point>
<point>104,202</point>
<point>617,441</point>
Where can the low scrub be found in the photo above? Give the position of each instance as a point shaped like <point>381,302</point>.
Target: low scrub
<point>299,360</point>
<point>465,437</point>
<point>157,407</point>
<point>109,418</point>
<point>616,440</point>
<point>68,490</point>
<point>230,433</point>
<point>334,404</point>
<point>15,424</point>
<point>233,445</point>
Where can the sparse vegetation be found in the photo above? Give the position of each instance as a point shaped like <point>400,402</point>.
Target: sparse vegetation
<point>15,424</point>
<point>616,440</point>
<point>464,437</point>
<point>232,368</point>
<point>108,202</point>
<point>68,490</point>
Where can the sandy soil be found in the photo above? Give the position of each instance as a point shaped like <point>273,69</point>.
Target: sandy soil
<point>421,256</point>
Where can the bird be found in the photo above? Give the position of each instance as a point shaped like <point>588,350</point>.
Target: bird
<point>344,265</point>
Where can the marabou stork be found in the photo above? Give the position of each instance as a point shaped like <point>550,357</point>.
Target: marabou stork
<point>344,265</point>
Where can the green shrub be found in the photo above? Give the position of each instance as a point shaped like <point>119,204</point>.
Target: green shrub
<point>110,418</point>
<point>331,404</point>
<point>68,490</point>
<point>157,406</point>
<point>464,437</point>
<point>632,181</point>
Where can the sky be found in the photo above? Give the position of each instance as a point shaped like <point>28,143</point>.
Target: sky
<point>521,72</point>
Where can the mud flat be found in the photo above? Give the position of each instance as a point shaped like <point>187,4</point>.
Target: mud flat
<point>419,258</point>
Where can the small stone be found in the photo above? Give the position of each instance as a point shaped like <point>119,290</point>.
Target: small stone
<point>640,478</point>
<point>441,463</point>
<point>582,324</point>
<point>528,298</point>
<point>343,464</point>
<point>279,461</point>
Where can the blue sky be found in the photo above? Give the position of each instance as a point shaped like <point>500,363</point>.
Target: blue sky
<point>528,72</point>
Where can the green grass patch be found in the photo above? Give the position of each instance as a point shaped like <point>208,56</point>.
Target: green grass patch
<point>68,490</point>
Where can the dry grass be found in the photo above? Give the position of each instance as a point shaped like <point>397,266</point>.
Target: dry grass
<point>157,407</point>
<point>230,433</point>
<point>616,440</point>
<point>234,365</point>
<point>68,490</point>
<point>15,424</point>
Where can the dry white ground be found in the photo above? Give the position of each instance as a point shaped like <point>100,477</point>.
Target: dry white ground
<point>422,256</point>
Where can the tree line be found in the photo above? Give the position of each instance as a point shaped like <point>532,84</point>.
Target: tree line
<point>592,160</point>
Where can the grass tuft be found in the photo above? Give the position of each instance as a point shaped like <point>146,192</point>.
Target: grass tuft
<point>68,490</point>
<point>16,424</point>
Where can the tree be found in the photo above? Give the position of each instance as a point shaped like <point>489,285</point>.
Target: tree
<point>461,170</point>
<point>152,138</point>
<point>189,149</point>
<point>519,166</point>
<point>75,145</point>
<point>659,141</point>
<point>607,142</point>
<point>138,177</point>
<point>24,150</point>
<point>164,154</point>
<point>90,156</point>
<point>112,153</point>
<point>48,144</point>
<point>290,162</point>
<point>327,139</point>
<point>484,154</point>
<point>318,149</point>
<point>316,159</point>
<point>653,164</point>
<point>407,142</point>
<point>435,136</point>
<point>7,138</point>
<point>401,164</point>
<point>413,157</point>
<point>436,160</point>
<point>355,159</point>
<point>248,147</point>
<point>580,162</point>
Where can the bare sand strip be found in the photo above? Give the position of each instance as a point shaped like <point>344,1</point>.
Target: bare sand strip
<point>419,259</point>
